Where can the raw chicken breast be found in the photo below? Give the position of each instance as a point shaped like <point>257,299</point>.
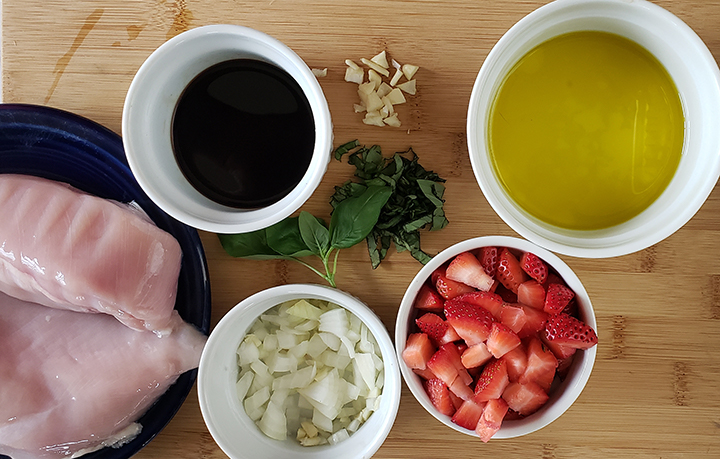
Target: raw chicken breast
<point>66,249</point>
<point>71,381</point>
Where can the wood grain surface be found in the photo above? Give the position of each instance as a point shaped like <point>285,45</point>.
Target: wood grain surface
<point>655,388</point>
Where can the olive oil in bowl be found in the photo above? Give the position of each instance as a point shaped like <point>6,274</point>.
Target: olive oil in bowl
<point>586,131</point>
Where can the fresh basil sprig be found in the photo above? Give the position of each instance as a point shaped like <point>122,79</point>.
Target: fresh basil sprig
<point>416,201</point>
<point>304,235</point>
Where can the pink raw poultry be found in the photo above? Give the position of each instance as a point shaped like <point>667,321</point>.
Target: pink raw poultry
<point>72,382</point>
<point>66,249</point>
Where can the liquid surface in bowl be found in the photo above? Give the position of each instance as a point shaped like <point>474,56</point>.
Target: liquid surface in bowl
<point>243,133</point>
<point>586,131</point>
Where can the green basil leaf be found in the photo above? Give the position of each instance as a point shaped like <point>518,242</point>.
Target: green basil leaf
<point>354,218</point>
<point>315,235</point>
<point>248,245</point>
<point>373,250</point>
<point>429,188</point>
<point>418,223</point>
<point>345,148</point>
<point>284,238</point>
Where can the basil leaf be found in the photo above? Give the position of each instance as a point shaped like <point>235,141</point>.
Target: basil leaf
<point>248,245</point>
<point>417,223</point>
<point>284,238</point>
<point>355,217</point>
<point>315,235</point>
<point>373,250</point>
<point>345,148</point>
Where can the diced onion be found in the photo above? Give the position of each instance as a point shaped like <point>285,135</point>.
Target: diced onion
<point>309,370</point>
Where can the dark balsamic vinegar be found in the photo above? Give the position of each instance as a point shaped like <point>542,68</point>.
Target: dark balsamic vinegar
<point>243,133</point>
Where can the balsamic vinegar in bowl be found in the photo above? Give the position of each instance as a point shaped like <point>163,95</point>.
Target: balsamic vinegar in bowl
<point>243,133</point>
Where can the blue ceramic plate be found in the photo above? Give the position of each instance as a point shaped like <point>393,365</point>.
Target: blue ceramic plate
<point>58,145</point>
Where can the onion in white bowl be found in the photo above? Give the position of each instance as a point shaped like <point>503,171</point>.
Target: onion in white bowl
<point>235,432</point>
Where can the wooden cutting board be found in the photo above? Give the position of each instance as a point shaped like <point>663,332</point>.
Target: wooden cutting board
<point>655,389</point>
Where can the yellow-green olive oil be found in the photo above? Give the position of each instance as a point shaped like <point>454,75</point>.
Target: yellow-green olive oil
<point>586,131</point>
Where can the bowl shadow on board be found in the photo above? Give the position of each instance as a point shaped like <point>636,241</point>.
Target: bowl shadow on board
<point>62,146</point>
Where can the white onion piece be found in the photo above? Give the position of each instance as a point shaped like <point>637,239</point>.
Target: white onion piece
<point>309,370</point>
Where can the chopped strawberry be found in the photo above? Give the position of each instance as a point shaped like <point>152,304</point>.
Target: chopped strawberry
<point>488,257</point>
<point>516,362</point>
<point>558,296</point>
<point>501,340</point>
<point>534,321</point>
<point>468,414</point>
<point>524,398</point>
<point>436,274</point>
<point>456,401</point>
<point>506,295</point>
<point>513,316</point>
<point>490,301</point>
<point>560,351</point>
<point>512,415</point>
<point>433,325</point>
<point>553,278</point>
<point>571,308</point>
<point>564,367</point>
<point>492,381</point>
<point>448,288</point>
<point>418,351</point>
<point>471,322</point>
<point>509,271</point>
<point>467,269</point>
<point>441,363</point>
<point>424,374</point>
<point>532,293</point>
<point>491,419</point>
<point>461,389</point>
<point>541,365</point>
<point>450,335</point>
<point>476,355</point>
<point>428,299</point>
<point>534,266</point>
<point>439,396</point>
<point>569,331</point>
<point>454,353</point>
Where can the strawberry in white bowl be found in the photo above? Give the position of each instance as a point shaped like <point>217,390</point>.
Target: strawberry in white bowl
<point>496,337</point>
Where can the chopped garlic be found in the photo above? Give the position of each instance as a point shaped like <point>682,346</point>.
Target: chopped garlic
<point>408,87</point>
<point>409,70</point>
<point>379,69</point>
<point>384,89</point>
<point>378,97</point>
<point>396,96</point>
<point>373,119</point>
<point>392,120</point>
<point>354,75</point>
<point>396,77</point>
<point>381,60</point>
<point>320,72</point>
<point>374,78</point>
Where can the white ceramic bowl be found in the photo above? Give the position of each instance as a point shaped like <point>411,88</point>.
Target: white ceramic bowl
<point>235,432</point>
<point>696,76</point>
<point>147,121</point>
<point>561,397</point>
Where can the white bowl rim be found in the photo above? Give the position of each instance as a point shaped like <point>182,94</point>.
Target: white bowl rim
<point>229,220</point>
<point>573,386</point>
<point>573,246</point>
<point>358,443</point>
